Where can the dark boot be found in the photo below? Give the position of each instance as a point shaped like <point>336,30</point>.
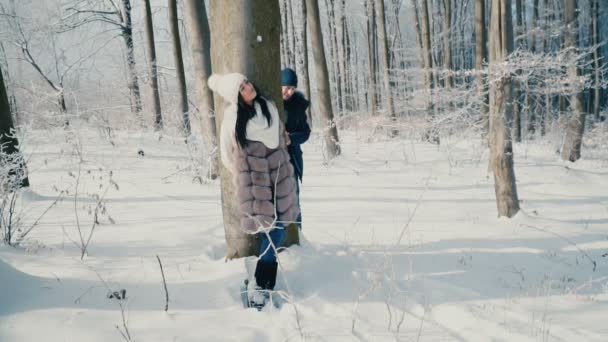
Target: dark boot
<point>266,274</point>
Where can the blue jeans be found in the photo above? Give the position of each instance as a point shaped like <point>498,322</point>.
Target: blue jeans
<point>277,235</point>
<point>299,218</point>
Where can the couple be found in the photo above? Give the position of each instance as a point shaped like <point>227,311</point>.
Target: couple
<point>266,163</point>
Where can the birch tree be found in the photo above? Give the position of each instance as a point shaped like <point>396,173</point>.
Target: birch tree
<point>501,149</point>
<point>200,42</point>
<point>330,132</point>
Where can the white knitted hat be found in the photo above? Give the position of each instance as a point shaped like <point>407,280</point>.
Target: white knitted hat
<point>227,85</point>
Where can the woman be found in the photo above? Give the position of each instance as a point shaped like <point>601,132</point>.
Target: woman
<point>253,148</point>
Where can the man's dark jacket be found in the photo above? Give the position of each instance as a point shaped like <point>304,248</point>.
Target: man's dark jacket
<point>298,129</point>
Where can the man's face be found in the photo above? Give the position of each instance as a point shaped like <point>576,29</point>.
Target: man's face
<point>287,92</point>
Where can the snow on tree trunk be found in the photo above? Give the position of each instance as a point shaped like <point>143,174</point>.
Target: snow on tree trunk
<point>330,132</point>
<point>200,42</point>
<point>480,59</point>
<point>501,149</point>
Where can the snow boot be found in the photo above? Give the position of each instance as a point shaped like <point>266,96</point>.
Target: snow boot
<point>266,274</point>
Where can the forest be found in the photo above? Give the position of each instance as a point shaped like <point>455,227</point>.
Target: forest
<point>454,189</point>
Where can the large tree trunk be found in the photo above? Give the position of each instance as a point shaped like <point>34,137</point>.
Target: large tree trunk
<point>480,58</point>
<point>330,132</point>
<point>501,150</point>
<point>10,156</point>
<point>576,124</point>
<point>127,35</point>
<point>151,52</point>
<point>246,39</point>
<point>179,67</point>
<point>200,42</point>
<point>385,66</point>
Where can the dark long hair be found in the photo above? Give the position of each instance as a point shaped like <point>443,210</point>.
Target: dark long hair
<point>246,112</point>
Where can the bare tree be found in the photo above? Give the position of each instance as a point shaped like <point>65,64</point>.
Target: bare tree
<point>116,13</point>
<point>501,149</point>
<point>200,42</point>
<point>431,133</point>
<point>574,131</point>
<point>245,39</point>
<point>594,5</point>
<point>447,50</point>
<point>385,59</point>
<point>303,58</point>
<point>179,66</point>
<point>330,131</point>
<point>151,53</point>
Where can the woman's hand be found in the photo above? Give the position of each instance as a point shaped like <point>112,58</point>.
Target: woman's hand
<point>286,136</point>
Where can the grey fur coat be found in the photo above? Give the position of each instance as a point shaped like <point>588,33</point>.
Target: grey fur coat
<point>263,177</point>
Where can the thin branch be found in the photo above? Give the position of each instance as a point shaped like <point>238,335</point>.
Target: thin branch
<point>164,284</point>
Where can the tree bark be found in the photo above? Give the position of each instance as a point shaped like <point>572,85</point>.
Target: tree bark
<point>200,42</point>
<point>151,52</point>
<point>385,67</point>
<point>303,61</point>
<point>179,67</point>
<point>330,132</point>
<point>501,150</point>
<point>597,89</point>
<point>576,124</point>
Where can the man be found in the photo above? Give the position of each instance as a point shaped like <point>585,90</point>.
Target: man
<point>295,105</point>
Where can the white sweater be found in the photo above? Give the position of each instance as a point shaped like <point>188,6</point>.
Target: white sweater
<point>257,130</point>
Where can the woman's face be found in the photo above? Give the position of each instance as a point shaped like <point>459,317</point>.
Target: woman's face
<point>247,92</point>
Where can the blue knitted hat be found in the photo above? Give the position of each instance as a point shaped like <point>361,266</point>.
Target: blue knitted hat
<point>289,77</point>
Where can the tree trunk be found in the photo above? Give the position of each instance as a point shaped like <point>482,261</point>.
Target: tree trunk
<point>516,87</point>
<point>370,57</point>
<point>246,39</point>
<point>179,67</point>
<point>431,133</point>
<point>576,124</point>
<point>385,66</point>
<point>480,58</point>
<point>10,156</point>
<point>127,35</point>
<point>447,51</point>
<point>330,132</point>
<point>421,58</point>
<point>597,89</point>
<point>200,42</point>
<point>501,151</point>
<point>292,36</point>
<point>151,52</point>
<point>303,61</point>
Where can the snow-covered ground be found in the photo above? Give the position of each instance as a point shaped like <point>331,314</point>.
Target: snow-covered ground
<point>400,243</point>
